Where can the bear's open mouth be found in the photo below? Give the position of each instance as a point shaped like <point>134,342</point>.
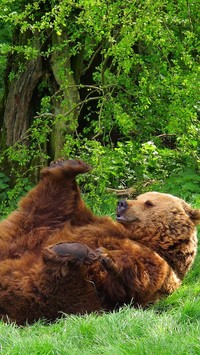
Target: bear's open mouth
<point>124,219</point>
<point>121,218</point>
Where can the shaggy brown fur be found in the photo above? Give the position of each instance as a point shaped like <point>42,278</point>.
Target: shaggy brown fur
<point>57,257</point>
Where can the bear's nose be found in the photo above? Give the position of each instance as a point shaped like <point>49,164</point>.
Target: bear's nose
<point>122,205</point>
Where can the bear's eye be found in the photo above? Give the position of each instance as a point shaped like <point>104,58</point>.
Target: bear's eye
<point>149,203</point>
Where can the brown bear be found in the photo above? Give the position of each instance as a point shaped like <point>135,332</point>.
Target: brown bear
<point>57,257</point>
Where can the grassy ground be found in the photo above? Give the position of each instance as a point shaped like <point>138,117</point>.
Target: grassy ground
<point>172,326</point>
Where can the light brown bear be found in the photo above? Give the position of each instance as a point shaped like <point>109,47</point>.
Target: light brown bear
<point>57,257</point>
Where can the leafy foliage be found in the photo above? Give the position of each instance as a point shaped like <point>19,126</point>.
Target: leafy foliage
<point>135,66</point>
<point>185,183</point>
<point>10,197</point>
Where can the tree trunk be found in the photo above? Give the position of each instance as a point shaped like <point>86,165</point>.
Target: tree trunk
<point>24,95</point>
<point>23,100</point>
<point>17,114</point>
<point>65,105</point>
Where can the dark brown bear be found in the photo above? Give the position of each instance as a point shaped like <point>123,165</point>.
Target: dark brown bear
<point>57,257</point>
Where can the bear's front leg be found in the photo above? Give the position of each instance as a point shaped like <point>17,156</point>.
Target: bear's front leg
<point>130,276</point>
<point>115,277</point>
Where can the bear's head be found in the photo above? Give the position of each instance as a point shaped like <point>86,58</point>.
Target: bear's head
<point>165,223</point>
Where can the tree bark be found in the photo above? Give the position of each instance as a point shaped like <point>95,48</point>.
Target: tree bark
<point>17,108</point>
<point>23,97</point>
<point>66,107</point>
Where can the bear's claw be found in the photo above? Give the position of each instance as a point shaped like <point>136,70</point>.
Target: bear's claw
<point>106,260</point>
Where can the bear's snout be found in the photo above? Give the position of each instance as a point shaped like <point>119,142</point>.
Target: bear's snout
<point>122,205</point>
<point>121,209</point>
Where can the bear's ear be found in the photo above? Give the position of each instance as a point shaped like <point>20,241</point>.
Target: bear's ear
<point>194,214</point>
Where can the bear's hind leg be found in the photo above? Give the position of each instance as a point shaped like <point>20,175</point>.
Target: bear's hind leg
<point>62,277</point>
<point>69,255</point>
<point>56,199</point>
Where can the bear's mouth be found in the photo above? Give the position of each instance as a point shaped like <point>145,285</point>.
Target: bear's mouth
<point>120,218</point>
<point>123,219</point>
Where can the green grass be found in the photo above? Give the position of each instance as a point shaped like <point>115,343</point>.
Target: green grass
<point>126,332</point>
